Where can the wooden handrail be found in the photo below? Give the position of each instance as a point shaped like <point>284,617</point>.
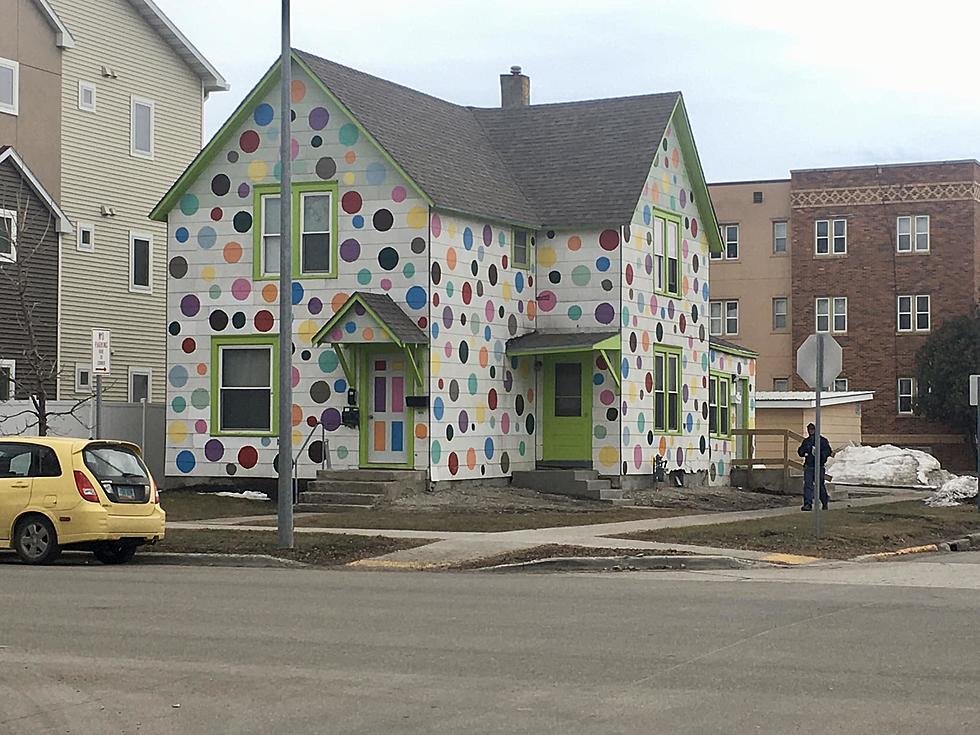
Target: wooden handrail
<point>769,432</point>
<point>773,462</point>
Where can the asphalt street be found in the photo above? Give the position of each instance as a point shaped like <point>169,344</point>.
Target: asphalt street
<point>159,649</point>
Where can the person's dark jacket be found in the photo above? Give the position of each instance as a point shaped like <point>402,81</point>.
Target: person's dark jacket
<point>806,451</point>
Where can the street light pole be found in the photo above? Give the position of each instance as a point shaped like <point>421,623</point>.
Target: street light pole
<point>285,524</point>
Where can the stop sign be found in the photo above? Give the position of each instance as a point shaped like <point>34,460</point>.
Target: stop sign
<point>806,359</point>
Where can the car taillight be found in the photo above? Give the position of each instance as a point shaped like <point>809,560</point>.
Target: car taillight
<point>155,491</point>
<point>85,488</point>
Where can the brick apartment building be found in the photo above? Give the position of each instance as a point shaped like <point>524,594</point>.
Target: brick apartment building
<point>878,256</point>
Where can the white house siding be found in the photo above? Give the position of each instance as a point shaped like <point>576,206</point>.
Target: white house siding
<point>98,170</point>
<point>483,419</point>
<point>723,450</point>
<point>213,293</point>
<point>650,319</point>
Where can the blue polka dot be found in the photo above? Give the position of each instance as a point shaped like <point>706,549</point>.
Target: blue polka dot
<point>182,234</point>
<point>598,379</point>
<point>468,238</point>
<point>602,264</point>
<point>350,327</point>
<point>438,408</point>
<point>519,281</point>
<point>358,221</point>
<point>704,291</point>
<point>487,334</point>
<point>207,237</point>
<point>416,297</point>
<point>340,386</point>
<point>264,114</point>
<point>646,214</point>
<point>488,447</point>
<point>297,293</point>
<point>178,376</point>
<point>376,173</point>
<point>435,330</point>
<point>625,368</point>
<point>185,461</point>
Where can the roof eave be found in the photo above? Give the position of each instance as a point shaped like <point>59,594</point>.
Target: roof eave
<point>694,169</point>
<point>64,224</point>
<point>63,37</point>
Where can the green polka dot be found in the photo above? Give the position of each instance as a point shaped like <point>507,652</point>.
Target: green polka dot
<point>328,362</point>
<point>449,289</point>
<point>522,448</point>
<point>200,398</point>
<point>179,404</point>
<point>409,270</point>
<point>599,432</point>
<point>348,134</point>
<point>472,384</point>
<point>189,204</point>
<point>575,313</point>
<point>215,291</point>
<point>364,276</point>
<point>342,452</point>
<point>436,452</point>
<point>581,275</point>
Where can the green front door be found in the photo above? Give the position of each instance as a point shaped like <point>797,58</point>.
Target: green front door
<point>567,411</point>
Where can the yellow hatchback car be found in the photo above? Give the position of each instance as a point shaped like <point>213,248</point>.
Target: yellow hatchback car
<point>87,494</point>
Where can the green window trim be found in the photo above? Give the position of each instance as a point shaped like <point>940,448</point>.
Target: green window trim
<point>720,413</point>
<point>664,358</point>
<point>298,190</point>
<point>528,243</point>
<point>243,340</point>
<point>662,217</point>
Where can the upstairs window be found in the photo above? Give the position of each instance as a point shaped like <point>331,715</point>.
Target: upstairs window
<point>906,396</point>
<point>831,237</point>
<point>313,225</point>
<point>914,313</point>
<point>8,236</point>
<point>140,263</point>
<point>913,234</point>
<point>86,96</point>
<point>722,318</point>
<point>86,238</point>
<point>315,228</point>
<point>729,240</point>
<point>779,237</point>
<point>780,310</point>
<point>780,384</point>
<point>9,86</point>
<point>520,255</point>
<point>831,314</point>
<point>141,123</point>
<point>673,259</point>
<point>271,242</point>
<point>840,385</point>
<point>8,374</point>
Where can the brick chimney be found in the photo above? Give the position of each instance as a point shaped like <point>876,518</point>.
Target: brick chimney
<point>515,89</point>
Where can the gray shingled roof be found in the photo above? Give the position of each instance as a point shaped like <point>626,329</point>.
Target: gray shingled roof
<point>724,344</point>
<point>557,341</point>
<point>400,323</point>
<point>561,165</point>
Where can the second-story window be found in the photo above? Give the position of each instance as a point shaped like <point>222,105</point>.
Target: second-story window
<point>141,123</point>
<point>831,237</point>
<point>9,86</point>
<point>140,263</point>
<point>779,237</point>
<point>521,255</point>
<point>832,314</point>
<point>86,96</point>
<point>780,311</point>
<point>914,313</point>
<point>729,241</point>
<point>270,204</point>
<point>315,233</point>
<point>913,233</point>
<point>723,318</point>
<point>8,235</point>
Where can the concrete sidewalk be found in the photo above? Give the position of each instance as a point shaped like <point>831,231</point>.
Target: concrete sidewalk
<point>457,547</point>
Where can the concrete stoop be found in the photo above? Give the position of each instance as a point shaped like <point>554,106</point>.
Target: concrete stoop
<point>337,491</point>
<point>583,484</point>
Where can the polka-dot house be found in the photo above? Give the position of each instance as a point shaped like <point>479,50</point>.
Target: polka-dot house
<point>427,369</point>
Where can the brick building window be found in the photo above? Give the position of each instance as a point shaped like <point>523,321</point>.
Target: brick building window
<point>914,313</point>
<point>906,395</point>
<point>832,314</point>
<point>780,310</point>
<point>840,384</point>
<point>723,318</point>
<point>729,238</point>
<point>779,237</point>
<point>780,384</point>
<point>913,233</point>
<point>831,237</point>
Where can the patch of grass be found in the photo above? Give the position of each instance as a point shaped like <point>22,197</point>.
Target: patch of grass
<point>549,551</point>
<point>845,532</point>
<point>489,521</point>
<point>188,505</point>
<point>321,549</point>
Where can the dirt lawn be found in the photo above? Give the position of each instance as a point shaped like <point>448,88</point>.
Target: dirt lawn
<point>846,532</point>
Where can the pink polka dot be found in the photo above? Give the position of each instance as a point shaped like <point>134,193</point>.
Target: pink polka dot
<point>398,194</point>
<point>547,301</point>
<point>637,456</point>
<point>607,397</point>
<point>201,426</point>
<point>386,284</point>
<point>436,225</point>
<point>241,289</point>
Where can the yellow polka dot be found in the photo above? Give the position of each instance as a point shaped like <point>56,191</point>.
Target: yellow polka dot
<point>297,438</point>
<point>608,457</point>
<point>257,170</point>
<point>177,432</point>
<point>506,290</point>
<point>481,414</point>
<point>349,178</point>
<point>417,218</point>
<point>435,362</point>
<point>306,331</point>
<point>452,230</point>
<point>547,256</point>
<point>207,273</point>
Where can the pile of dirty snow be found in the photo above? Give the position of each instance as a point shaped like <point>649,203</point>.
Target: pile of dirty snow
<point>953,492</point>
<point>244,495</point>
<point>886,466</point>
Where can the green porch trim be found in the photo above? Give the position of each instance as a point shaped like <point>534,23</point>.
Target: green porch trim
<point>243,340</point>
<point>694,169</point>
<point>615,369</point>
<point>669,216</point>
<point>678,352</point>
<point>410,356</point>
<point>349,373</point>
<point>365,352</point>
<point>610,343</point>
<point>724,382</point>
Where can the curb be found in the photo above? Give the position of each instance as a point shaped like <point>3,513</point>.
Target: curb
<point>961,544</point>
<point>670,562</point>
<point>257,561</point>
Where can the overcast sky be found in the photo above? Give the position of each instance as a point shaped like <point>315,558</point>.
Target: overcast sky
<point>770,85</point>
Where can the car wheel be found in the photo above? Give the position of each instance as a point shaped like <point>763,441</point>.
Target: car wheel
<point>115,552</point>
<point>35,541</point>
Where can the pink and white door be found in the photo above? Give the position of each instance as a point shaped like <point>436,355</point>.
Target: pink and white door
<point>387,422</point>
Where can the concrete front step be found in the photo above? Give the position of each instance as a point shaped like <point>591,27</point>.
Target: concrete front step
<point>333,498</point>
<point>576,483</point>
<point>361,487</point>
<point>371,475</point>
<point>329,508</point>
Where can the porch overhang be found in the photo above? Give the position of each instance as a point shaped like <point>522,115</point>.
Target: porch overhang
<point>552,343</point>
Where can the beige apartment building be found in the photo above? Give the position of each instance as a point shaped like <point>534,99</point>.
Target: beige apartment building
<point>751,281</point>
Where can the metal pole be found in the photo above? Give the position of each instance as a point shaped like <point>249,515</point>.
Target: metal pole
<point>817,469</point>
<point>978,456</point>
<point>143,426</point>
<point>98,406</point>
<point>285,534</point>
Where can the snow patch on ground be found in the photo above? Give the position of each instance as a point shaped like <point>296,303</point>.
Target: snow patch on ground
<point>886,466</point>
<point>244,495</point>
<point>953,492</point>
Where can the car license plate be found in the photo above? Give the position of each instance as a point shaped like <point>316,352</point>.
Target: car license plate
<point>126,493</point>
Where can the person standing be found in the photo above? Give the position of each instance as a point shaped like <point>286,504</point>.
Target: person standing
<point>806,451</point>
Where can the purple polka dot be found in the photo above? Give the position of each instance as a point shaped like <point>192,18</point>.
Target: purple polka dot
<point>385,284</point>
<point>398,194</point>
<point>487,234</point>
<point>447,317</point>
<point>319,117</point>
<point>241,289</point>
<point>330,419</point>
<point>489,311</point>
<point>244,190</point>
<point>680,457</point>
<point>214,450</point>
<point>350,250</point>
<point>604,313</point>
<point>190,305</point>
<point>315,305</point>
<point>464,421</point>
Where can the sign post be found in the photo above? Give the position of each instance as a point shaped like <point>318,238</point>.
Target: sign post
<point>101,365</point>
<point>975,401</point>
<point>818,361</point>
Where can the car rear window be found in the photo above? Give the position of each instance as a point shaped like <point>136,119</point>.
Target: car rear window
<point>115,464</point>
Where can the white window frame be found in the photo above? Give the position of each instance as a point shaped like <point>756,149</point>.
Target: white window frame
<point>720,332</point>
<point>831,314</point>
<point>840,385</point>
<point>831,237</point>
<point>12,109</point>
<point>11,366</point>
<point>905,309</point>
<point>90,229</point>
<point>910,394</point>
<point>780,384</point>
<point>84,87</point>
<point>903,222</point>
<point>11,215</point>
<point>148,372</point>
<point>526,263</point>
<point>927,312</point>
<point>729,317</point>
<point>263,200</point>
<point>911,311</point>
<point>273,388</point>
<point>133,151</point>
<point>776,238</point>
<point>133,286</point>
<point>784,314</point>
<point>87,369</point>
<point>917,220</point>
<point>330,234</point>
<point>725,231</point>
